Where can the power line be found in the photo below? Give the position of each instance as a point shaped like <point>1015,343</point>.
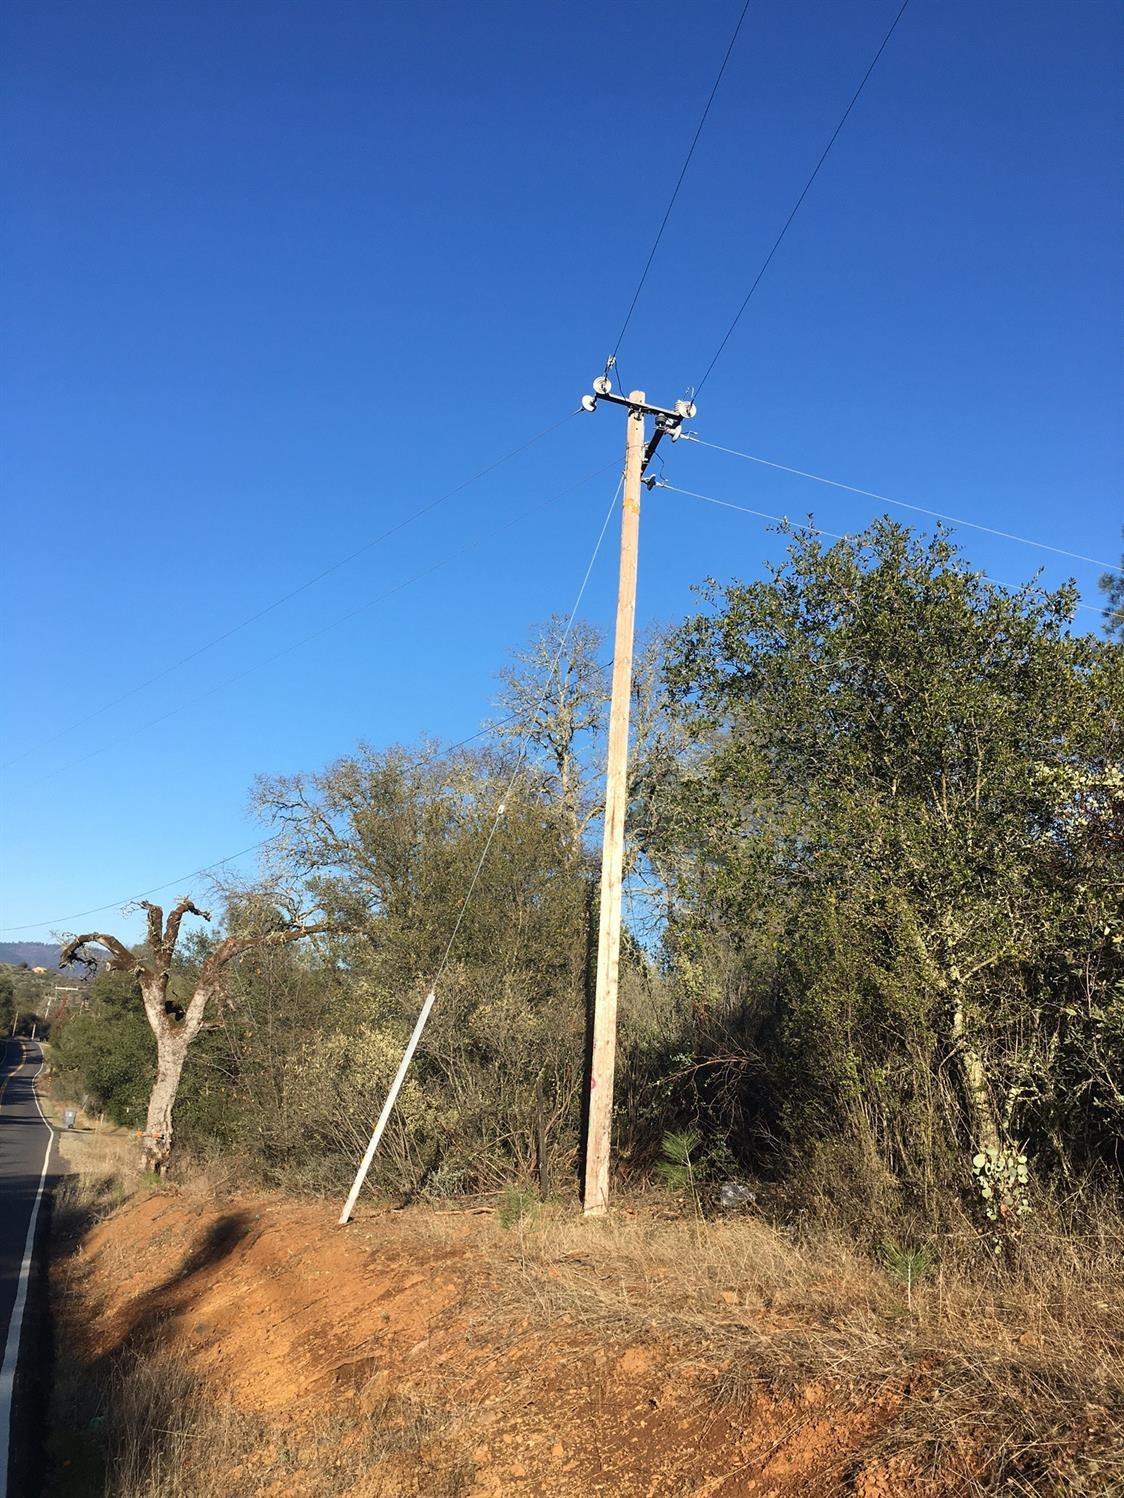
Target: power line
<point>144,893</point>
<point>804,193</point>
<point>522,750</point>
<point>819,478</point>
<point>291,594</point>
<point>726,504</point>
<point>488,730</point>
<point>678,185</point>
<point>316,633</point>
<point>219,863</point>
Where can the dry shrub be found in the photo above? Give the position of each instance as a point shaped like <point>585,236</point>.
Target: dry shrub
<point>90,1194</point>
<point>209,1175</point>
<point>1018,1421</point>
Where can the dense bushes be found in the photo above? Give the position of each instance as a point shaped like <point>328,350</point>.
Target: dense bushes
<point>901,835</point>
<point>105,1053</point>
<point>7,1002</point>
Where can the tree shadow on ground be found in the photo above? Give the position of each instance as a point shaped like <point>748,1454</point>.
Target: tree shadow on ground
<point>113,1407</point>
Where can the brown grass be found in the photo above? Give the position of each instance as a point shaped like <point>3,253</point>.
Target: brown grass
<point>101,1161</point>
<point>985,1380</point>
<point>150,1429</point>
<point>1012,1378</point>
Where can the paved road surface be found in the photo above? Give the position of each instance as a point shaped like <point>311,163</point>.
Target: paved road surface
<point>27,1164</point>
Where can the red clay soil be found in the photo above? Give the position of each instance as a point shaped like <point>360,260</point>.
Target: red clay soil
<point>288,1316</point>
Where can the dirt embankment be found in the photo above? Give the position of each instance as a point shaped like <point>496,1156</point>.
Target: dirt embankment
<point>267,1351</point>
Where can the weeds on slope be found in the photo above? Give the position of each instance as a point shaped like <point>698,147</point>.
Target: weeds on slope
<point>1011,1380</point>
<point>148,1427</point>
<point>988,1379</point>
<point>140,1423</point>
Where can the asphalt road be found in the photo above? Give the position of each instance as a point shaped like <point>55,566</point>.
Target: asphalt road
<point>27,1169</point>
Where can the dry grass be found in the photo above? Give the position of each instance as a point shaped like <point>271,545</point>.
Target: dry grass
<point>148,1428</point>
<point>85,1197</point>
<point>1012,1378</point>
<point>993,1380</point>
<point>141,1424</point>
<point>100,1160</point>
<point>210,1178</point>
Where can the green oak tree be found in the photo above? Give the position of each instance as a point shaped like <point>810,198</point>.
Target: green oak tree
<point>900,855</point>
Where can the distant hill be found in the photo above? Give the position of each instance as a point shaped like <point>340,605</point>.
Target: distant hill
<point>34,953</point>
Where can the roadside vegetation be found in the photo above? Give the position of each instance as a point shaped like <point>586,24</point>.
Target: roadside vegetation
<point>26,996</point>
<point>796,1360</point>
<point>873,978</point>
<point>155,1430</point>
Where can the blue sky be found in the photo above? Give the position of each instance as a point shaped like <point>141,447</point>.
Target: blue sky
<point>277,275</point>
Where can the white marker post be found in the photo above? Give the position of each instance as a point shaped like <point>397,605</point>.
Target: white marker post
<point>387,1109</point>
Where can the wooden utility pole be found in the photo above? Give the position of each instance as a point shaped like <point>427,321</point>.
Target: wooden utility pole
<point>604,1050</point>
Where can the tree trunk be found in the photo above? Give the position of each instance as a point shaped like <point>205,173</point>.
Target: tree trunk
<point>540,1141</point>
<point>171,1051</point>
<point>176,1026</point>
<point>984,1122</point>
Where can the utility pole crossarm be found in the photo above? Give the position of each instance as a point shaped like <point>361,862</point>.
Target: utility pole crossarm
<point>684,410</point>
<point>668,423</point>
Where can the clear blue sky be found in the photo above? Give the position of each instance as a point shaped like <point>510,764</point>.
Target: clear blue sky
<point>277,274</point>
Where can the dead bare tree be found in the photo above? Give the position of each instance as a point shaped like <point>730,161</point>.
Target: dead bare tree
<point>555,695</point>
<point>175,1025</point>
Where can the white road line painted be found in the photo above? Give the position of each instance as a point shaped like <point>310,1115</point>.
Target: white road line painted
<point>15,1326</point>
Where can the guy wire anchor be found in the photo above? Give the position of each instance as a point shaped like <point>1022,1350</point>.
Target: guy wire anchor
<point>667,423</point>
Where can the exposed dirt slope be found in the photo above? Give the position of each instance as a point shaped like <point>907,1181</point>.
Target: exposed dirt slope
<point>406,1320</point>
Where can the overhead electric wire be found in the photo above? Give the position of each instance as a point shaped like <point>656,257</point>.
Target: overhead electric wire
<point>316,633</point>
<point>675,189</point>
<point>903,504</point>
<point>78,915</point>
<point>803,194</point>
<point>431,997</point>
<point>291,594</point>
<point>488,729</point>
<point>726,504</point>
<point>785,520</point>
<point>219,863</point>
<point>522,750</point>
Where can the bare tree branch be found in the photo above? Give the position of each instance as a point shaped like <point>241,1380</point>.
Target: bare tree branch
<point>234,946</point>
<point>154,917</point>
<point>121,959</point>
<point>185,906</point>
<point>174,1025</point>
